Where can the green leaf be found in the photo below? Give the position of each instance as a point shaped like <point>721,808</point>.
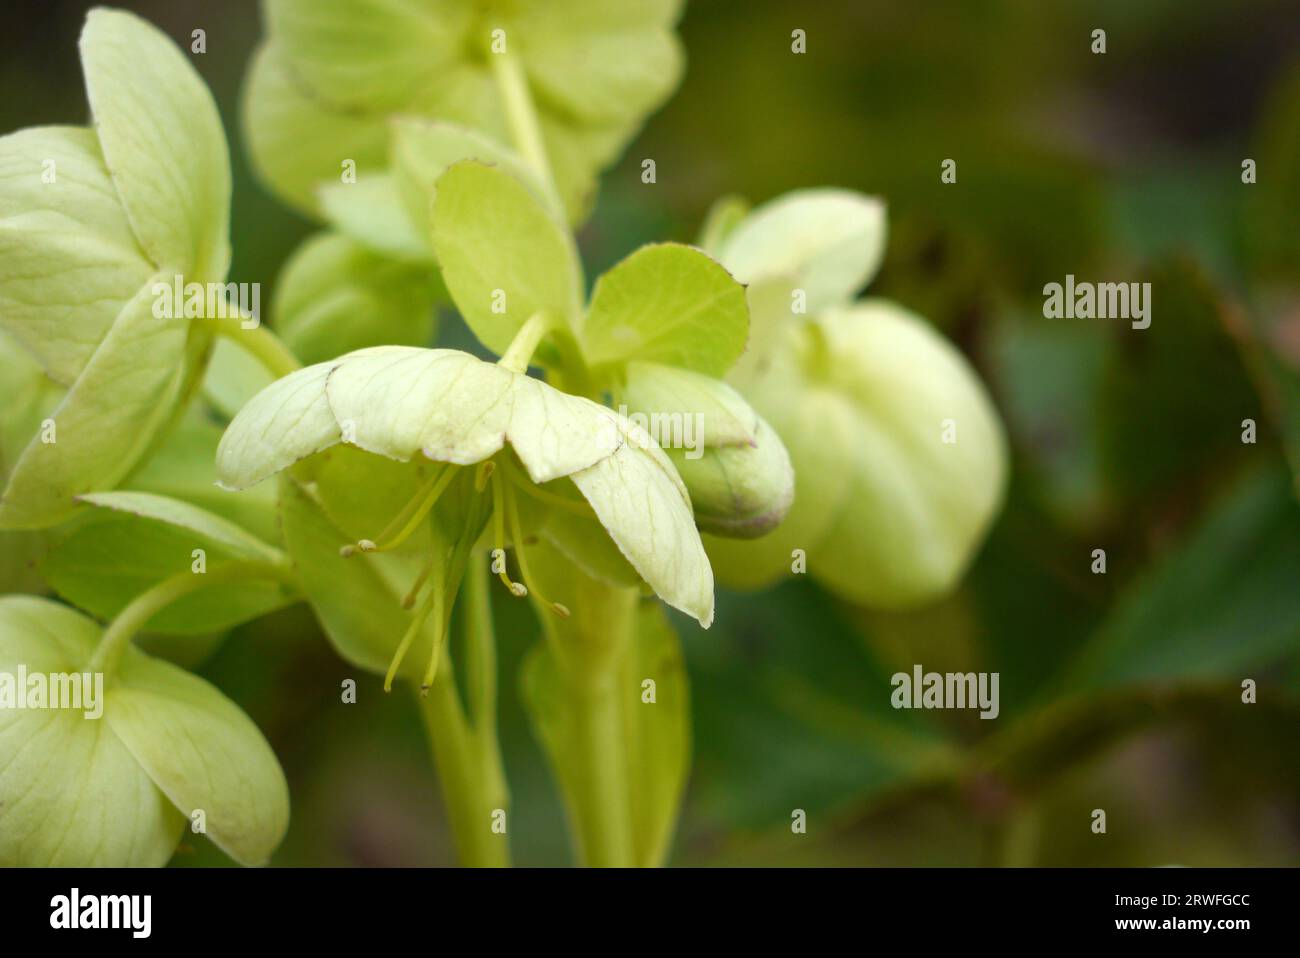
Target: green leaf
<point>106,422</point>
<point>499,247</point>
<point>781,725</point>
<point>71,794</point>
<point>296,141</point>
<point>828,242</point>
<point>656,735</point>
<point>1218,605</point>
<point>69,261</point>
<point>335,296</point>
<point>163,143</point>
<point>142,539</point>
<point>667,303</point>
<point>1155,432</point>
<point>373,213</point>
<point>203,752</point>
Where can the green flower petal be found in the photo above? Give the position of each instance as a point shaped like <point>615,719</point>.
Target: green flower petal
<point>203,752</point>
<point>335,296</point>
<point>599,61</point>
<point>642,503</point>
<point>888,512</point>
<point>373,213</point>
<point>828,242</point>
<point>69,261</point>
<point>287,421</point>
<point>298,142</point>
<point>162,139</point>
<point>369,53</point>
<point>71,794</point>
<point>107,420</point>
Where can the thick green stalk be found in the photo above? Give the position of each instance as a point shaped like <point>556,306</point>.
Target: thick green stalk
<point>590,649</point>
<point>521,114</point>
<point>465,748</point>
<point>258,341</point>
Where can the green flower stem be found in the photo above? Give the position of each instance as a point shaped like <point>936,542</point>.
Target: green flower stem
<point>521,114</point>
<point>591,648</point>
<point>468,760</point>
<point>149,603</point>
<point>521,348</point>
<point>259,342</point>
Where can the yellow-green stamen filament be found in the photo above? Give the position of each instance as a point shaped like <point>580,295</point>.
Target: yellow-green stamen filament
<point>417,622</point>
<point>499,539</point>
<point>516,532</point>
<point>409,519</point>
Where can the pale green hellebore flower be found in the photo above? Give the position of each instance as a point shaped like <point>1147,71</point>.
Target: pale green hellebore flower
<point>333,73</point>
<point>898,452</point>
<point>449,407</point>
<point>115,781</point>
<point>91,220</point>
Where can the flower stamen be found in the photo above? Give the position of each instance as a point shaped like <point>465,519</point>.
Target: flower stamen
<point>516,533</point>
<point>417,622</point>
<point>499,540</point>
<point>409,518</point>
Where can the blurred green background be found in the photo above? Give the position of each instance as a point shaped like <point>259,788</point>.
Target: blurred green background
<point>1119,691</point>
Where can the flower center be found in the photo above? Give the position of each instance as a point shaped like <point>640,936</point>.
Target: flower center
<point>439,577</point>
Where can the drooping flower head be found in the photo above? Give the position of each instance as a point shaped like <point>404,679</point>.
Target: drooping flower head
<point>899,455</point>
<point>493,436</point>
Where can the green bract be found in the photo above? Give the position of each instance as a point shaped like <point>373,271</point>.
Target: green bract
<point>454,410</point>
<point>334,72</point>
<point>90,221</point>
<point>117,789</point>
<point>899,455</point>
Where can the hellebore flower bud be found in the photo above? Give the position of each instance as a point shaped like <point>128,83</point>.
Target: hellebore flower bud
<point>898,452</point>
<point>741,492</point>
<point>732,462</point>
